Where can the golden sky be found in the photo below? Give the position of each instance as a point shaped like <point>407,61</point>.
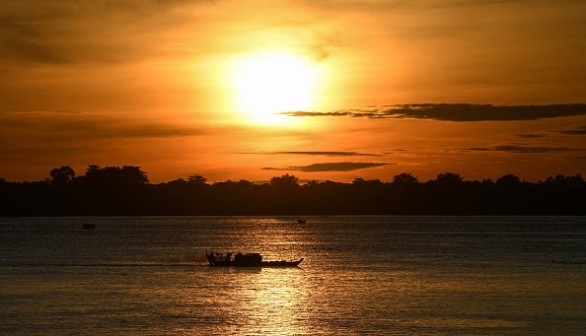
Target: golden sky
<point>248,89</point>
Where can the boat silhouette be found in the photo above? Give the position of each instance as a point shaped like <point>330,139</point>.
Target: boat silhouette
<point>246,260</point>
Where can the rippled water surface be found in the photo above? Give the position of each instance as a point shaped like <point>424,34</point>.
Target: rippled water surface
<point>361,276</point>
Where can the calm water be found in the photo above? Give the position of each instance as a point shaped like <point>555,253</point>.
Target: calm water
<point>361,276</point>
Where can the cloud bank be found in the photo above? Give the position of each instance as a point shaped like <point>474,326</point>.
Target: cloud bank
<point>331,166</point>
<point>522,149</point>
<point>576,131</point>
<point>455,112</point>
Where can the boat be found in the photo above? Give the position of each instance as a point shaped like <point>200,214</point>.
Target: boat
<point>301,221</point>
<point>246,260</point>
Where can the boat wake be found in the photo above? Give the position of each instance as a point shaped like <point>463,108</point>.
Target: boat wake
<point>106,265</point>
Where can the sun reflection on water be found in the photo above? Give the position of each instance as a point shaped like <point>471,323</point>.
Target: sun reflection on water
<point>263,301</point>
<point>367,279</point>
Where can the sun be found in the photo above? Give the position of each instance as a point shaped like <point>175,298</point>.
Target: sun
<point>267,83</point>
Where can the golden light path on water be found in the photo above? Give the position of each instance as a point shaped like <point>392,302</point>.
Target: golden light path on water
<point>361,276</point>
<point>326,297</point>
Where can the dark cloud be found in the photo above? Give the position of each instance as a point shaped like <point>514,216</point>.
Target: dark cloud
<point>581,130</point>
<point>479,149</point>
<point>456,112</point>
<point>576,131</point>
<point>522,149</point>
<point>331,166</point>
<point>316,114</point>
<point>531,135</point>
<point>318,153</point>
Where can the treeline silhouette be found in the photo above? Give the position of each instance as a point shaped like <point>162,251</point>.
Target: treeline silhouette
<point>126,191</point>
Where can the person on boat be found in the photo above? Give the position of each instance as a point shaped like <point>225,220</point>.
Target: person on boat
<point>229,257</point>
<point>212,255</point>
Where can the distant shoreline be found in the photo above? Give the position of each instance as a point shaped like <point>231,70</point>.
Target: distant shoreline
<point>126,191</point>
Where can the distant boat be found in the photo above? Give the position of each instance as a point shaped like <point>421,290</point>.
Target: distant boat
<point>89,226</point>
<point>246,260</point>
<point>301,221</point>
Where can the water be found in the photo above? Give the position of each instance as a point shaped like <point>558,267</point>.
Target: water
<point>361,276</point>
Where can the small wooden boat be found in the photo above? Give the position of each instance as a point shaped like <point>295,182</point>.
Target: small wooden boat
<point>246,260</point>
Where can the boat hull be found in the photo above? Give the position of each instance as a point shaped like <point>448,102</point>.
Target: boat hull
<point>278,263</point>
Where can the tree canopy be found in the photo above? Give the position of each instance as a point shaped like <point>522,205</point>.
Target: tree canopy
<point>127,191</point>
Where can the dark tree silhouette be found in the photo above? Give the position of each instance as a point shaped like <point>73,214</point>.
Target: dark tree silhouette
<point>126,191</point>
<point>508,181</point>
<point>133,175</point>
<point>62,176</point>
<point>362,182</point>
<point>197,180</point>
<point>405,179</point>
<point>448,178</point>
<point>285,181</point>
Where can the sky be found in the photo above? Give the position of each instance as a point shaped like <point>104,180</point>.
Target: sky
<point>323,90</point>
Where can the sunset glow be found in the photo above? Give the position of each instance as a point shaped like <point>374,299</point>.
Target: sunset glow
<point>324,90</point>
<point>267,83</point>
<point>297,167</point>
